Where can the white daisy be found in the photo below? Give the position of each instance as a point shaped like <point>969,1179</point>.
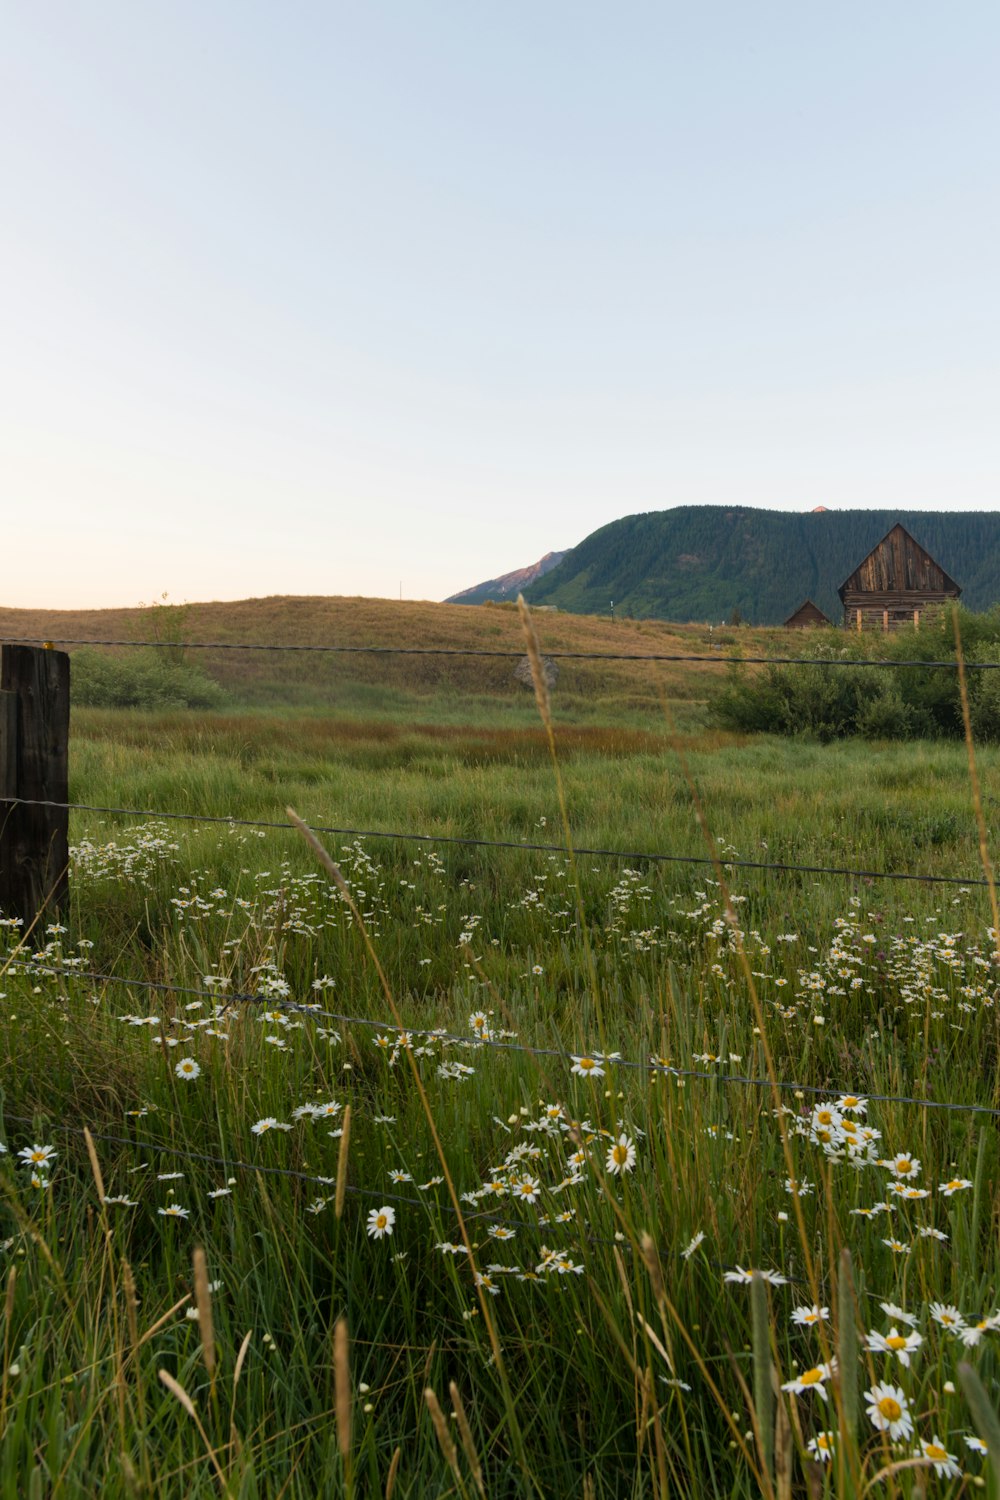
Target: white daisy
<point>380,1222</point>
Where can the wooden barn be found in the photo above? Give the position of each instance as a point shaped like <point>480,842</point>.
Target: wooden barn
<point>894,584</point>
<point>807,614</point>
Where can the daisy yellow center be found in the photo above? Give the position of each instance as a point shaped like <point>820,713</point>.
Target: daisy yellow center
<point>620,1154</point>
<point>812,1377</point>
<point>890,1408</point>
<point>823,1441</point>
<point>850,1102</point>
<point>586,1062</point>
<point>947,1319</point>
<point>934,1452</point>
<point>955,1182</point>
<point>904,1166</point>
<point>381,1221</point>
<point>896,1341</point>
<point>825,1117</point>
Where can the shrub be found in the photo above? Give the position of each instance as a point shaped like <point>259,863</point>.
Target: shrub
<point>884,715</point>
<point>810,700</point>
<point>984,698</point>
<point>140,680</point>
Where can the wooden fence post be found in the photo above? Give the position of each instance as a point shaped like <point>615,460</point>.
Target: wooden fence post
<point>8,781</point>
<point>34,765</point>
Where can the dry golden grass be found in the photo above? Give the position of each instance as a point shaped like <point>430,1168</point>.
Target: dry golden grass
<point>343,621</point>
<point>347,621</point>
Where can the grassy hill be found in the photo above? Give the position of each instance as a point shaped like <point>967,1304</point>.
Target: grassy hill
<point>451,689</point>
<point>700,562</point>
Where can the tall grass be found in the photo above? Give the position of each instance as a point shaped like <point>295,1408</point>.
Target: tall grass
<point>265,1343</point>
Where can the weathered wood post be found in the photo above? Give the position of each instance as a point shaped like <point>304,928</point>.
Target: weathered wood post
<point>34,765</point>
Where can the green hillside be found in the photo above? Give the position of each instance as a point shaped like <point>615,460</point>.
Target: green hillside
<point>700,562</point>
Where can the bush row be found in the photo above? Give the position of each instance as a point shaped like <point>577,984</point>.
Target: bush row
<point>893,702</point>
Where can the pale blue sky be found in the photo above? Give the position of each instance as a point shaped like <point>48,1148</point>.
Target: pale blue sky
<point>322,298</point>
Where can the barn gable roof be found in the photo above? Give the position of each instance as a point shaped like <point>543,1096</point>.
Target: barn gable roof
<point>899,565</point>
<point>808,613</point>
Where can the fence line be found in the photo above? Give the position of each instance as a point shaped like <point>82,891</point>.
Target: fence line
<point>231,1164</point>
<point>382,1194</point>
<point>507,655</point>
<point>650,857</point>
<point>654,1067</point>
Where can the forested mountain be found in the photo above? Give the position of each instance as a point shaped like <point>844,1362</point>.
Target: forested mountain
<point>702,562</point>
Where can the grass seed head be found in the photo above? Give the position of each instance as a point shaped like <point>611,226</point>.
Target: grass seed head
<point>441,1428</point>
<point>465,1432</point>
<point>203,1302</point>
<point>538,677</point>
<point>342,1387</point>
<point>340,1191</point>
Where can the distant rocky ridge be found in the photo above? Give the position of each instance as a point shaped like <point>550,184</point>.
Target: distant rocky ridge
<point>509,585</point>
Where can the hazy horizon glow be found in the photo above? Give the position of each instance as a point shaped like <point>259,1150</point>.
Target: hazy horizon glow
<point>338,299</point>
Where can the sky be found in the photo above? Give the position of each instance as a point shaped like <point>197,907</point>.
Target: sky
<point>395,297</point>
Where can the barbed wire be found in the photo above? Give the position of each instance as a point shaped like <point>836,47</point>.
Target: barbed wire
<point>591,852</point>
<point>235,1165</point>
<point>654,1066</point>
<point>507,654</point>
<point>230,1163</point>
<point>382,1194</point>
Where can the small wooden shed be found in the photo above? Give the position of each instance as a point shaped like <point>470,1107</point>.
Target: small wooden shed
<point>807,614</point>
<point>894,584</point>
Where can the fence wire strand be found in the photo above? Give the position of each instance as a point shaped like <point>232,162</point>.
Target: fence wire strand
<point>234,1165</point>
<point>650,1068</point>
<point>638,856</point>
<point>511,654</point>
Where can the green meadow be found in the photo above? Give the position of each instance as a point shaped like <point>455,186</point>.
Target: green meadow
<point>629,1164</point>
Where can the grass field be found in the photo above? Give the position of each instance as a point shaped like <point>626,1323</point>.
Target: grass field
<point>557,1242</point>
